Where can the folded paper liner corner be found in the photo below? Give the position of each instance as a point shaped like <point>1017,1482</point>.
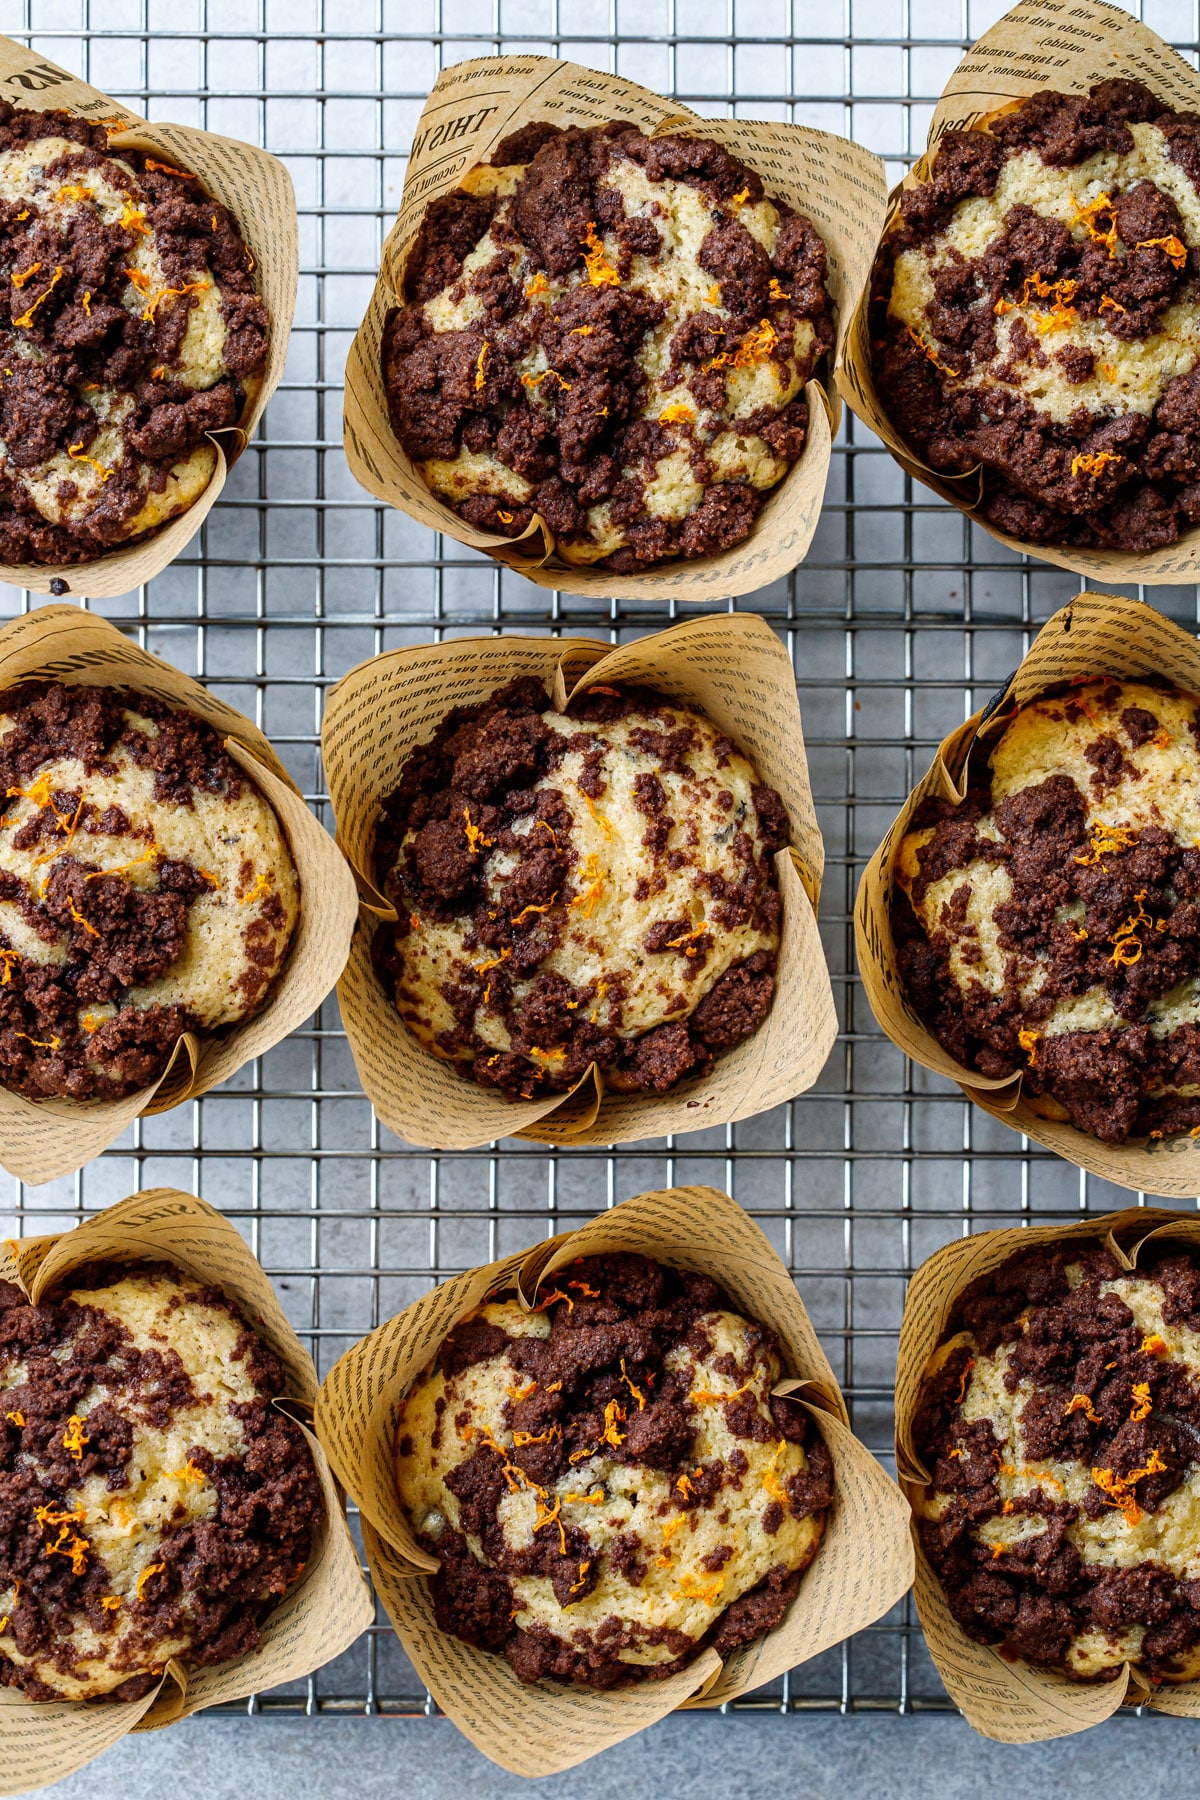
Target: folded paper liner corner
<point>257,189</point>
<point>732,668</point>
<point>40,1140</point>
<point>1096,635</point>
<point>1011,1701</point>
<point>1039,45</point>
<point>841,187</point>
<point>863,1567</point>
<point>45,1741</point>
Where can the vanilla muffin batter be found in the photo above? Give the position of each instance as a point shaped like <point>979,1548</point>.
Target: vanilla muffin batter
<point>1050,922</point>
<point>1036,317</point>
<point>153,1503</point>
<point>607,1480</point>
<point>613,333</point>
<point>129,328</point>
<point>146,889</point>
<point>1059,1420</point>
<point>575,891</point>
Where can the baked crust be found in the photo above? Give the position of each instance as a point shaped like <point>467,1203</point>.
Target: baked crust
<point>592,889</point>
<point>1035,318</point>
<point>1051,922</point>
<point>607,1481</point>
<point>153,1502</point>
<point>613,332</point>
<point>130,328</point>
<point>1058,1419</point>
<point>146,889</point>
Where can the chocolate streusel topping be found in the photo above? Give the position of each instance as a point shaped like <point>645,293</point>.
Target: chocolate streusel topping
<point>1052,347</point>
<point>105,389</point>
<point>579,343</point>
<point>614,1397</point>
<point>557,913</point>
<point>1059,1421</point>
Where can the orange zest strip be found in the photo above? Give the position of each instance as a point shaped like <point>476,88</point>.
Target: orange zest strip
<point>588,898</point>
<point>1174,251</point>
<point>521,1438</point>
<point>542,823</point>
<point>1087,216</point>
<point>150,855</point>
<point>664,1559</point>
<point>262,885</point>
<point>1108,304</point>
<point>636,1392</point>
<point>8,957</point>
<point>1028,1040</point>
<point>520,1393</point>
<point>708,1396</point>
<point>678,413</point>
<point>601,819</point>
<point>77,454</point>
<point>25,275</point>
<point>68,1543</point>
<point>533,381</point>
<point>86,302</point>
<point>80,920</point>
<point>169,293</point>
<point>775,292</point>
<point>189,1473</point>
<point>932,354</point>
<point>480,377</point>
<point>140,280</point>
<point>526,910</point>
<point>144,1577</point>
<point>614,1415</point>
<point>966,1376</point>
<point>1106,840</point>
<point>15,1418</point>
<point>492,962</point>
<point>600,272</point>
<point>583,1574</point>
<point>75,1437</point>
<point>111,1602</point>
<point>713,296</point>
<point>51,1043</point>
<point>26,317</point>
<point>1143,1405</point>
<point>134,219</point>
<point>689,943</point>
<point>505,518</point>
<point>1153,1345</point>
<point>1119,1490</point>
<point>167,169</point>
<point>539,285</point>
<point>1082,1403</point>
<point>474,834</point>
<point>692,1588</point>
<point>581,331</point>
<point>1095,463</point>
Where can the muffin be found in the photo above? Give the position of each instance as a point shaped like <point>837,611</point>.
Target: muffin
<point>612,333</point>
<point>1058,1419</point>
<point>607,1481</point>
<point>592,890</point>
<point>129,328</point>
<point>146,889</point>
<point>1050,923</point>
<point>1035,319</point>
<point>153,1502</point>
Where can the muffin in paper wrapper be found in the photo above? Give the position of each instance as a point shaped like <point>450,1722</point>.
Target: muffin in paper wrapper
<point>735,671</point>
<point>1036,47</point>
<point>42,1139</point>
<point>474,105</point>
<point>863,1566</point>
<point>46,1740</point>
<point>1096,635</point>
<point>1008,1699</point>
<point>258,191</point>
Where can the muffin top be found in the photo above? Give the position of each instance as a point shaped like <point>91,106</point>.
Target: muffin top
<point>1051,922</point>
<point>1036,318</point>
<point>1059,1420</point>
<point>573,891</point>
<point>146,889</point>
<point>129,327</point>
<point>613,332</point>
<point>607,1481</point>
<point>153,1503</point>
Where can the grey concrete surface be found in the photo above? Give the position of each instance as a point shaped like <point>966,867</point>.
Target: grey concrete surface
<point>738,1758</point>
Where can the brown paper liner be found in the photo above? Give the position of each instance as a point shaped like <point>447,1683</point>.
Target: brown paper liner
<point>43,1139</point>
<point>257,189</point>
<point>734,670</point>
<point>1038,46</point>
<point>1096,635</point>
<point>44,1741</point>
<point>474,105</point>
<point>1013,1702</point>
<point>864,1564</point>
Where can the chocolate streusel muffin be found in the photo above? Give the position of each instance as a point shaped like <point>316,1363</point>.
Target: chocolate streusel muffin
<point>129,328</point>
<point>607,1480</point>
<point>1060,1422</point>
<point>146,889</point>
<point>1035,317</point>
<point>153,1502</point>
<point>592,890</point>
<point>1051,922</point>
<point>612,332</point>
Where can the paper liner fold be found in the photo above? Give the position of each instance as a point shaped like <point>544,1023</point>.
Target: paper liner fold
<point>43,1742</point>
<point>257,189</point>
<point>1096,635</point>
<point>1040,45</point>
<point>474,105</point>
<point>1013,1702</point>
<point>43,1139</point>
<point>730,667</point>
<point>864,1564</point>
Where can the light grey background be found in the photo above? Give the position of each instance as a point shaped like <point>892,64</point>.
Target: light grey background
<point>902,619</point>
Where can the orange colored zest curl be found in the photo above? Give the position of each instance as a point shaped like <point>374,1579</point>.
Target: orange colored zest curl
<point>143,1579</point>
<point>1087,216</point>
<point>1143,1404</point>
<point>1028,1040</point>
<point>150,855</point>
<point>1095,463</point>
<point>75,1437</point>
<point>520,1393</point>
<point>966,1376</point>
<point>140,280</point>
<point>262,885</point>
<point>134,219</point>
<point>521,1438</point>
<point>551,1297</point>
<point>1153,1345</point>
<point>50,1043</point>
<point>1059,293</point>
<point>505,518</point>
<point>170,293</point>
<point>583,1574</point>
<point>8,957</point>
<point>589,898</point>
<point>1108,303</point>
<point>601,819</point>
<point>28,274</point>
<point>111,1602</point>
<point>1082,1403</point>
<point>595,1498</point>
<point>1106,840</point>
<point>581,331</point>
<point>932,354</point>
<point>548,828</point>
<point>689,942</point>
<point>678,413</point>
<point>1174,251</point>
<point>741,197</point>
<point>775,292</point>
<point>636,1392</point>
<point>474,834</point>
<point>480,377</point>
<point>526,910</point>
<point>709,1397</point>
<point>600,271</point>
<point>77,454</point>
<point>692,1588</point>
<point>664,1559</point>
<point>167,169</point>
<point>539,285</point>
<point>533,381</point>
<point>614,1415</point>
<point>68,1543</point>
<point>26,318</point>
<point>1119,1490</point>
<point>15,1418</point>
<point>684,1484</point>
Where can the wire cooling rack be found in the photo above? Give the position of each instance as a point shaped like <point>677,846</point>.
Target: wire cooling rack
<point>901,621</point>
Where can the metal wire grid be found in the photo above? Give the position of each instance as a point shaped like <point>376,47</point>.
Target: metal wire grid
<point>901,620</point>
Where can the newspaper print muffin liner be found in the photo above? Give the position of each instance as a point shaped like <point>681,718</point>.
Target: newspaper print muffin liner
<point>1037,46</point>
<point>257,189</point>
<point>1096,635</point>
<point>863,1567</point>
<point>1011,1701</point>
<point>45,1741</point>
<point>735,671</point>
<point>474,105</point>
<point>40,1140</point>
